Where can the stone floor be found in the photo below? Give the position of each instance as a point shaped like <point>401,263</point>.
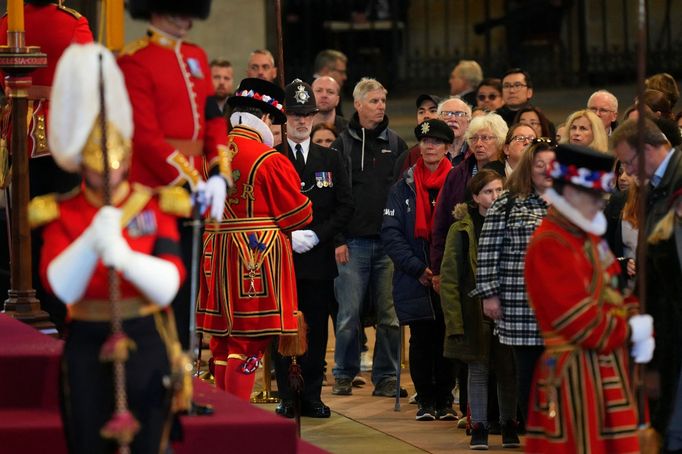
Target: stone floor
<point>365,424</point>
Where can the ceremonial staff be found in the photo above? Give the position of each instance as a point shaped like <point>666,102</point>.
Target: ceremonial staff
<point>648,439</point>
<point>122,426</point>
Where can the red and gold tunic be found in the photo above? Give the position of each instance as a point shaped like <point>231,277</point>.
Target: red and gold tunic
<point>248,286</point>
<point>148,229</point>
<point>53,28</point>
<point>168,82</point>
<point>581,400</point>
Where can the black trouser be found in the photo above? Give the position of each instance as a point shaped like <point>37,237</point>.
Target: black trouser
<point>432,374</point>
<point>526,358</point>
<point>88,390</point>
<point>315,299</point>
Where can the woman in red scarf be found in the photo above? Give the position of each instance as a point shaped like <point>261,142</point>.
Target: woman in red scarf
<point>406,232</point>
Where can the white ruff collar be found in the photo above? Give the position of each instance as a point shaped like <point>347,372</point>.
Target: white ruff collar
<point>596,226</point>
<point>253,122</point>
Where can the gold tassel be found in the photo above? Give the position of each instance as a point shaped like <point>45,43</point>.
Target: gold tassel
<point>116,348</point>
<point>295,344</point>
<point>122,427</point>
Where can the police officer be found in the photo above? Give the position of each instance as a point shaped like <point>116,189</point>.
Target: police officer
<point>324,180</point>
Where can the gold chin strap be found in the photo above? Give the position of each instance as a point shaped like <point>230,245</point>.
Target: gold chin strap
<point>118,148</point>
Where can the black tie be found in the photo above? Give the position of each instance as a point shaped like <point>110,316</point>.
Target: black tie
<point>300,160</point>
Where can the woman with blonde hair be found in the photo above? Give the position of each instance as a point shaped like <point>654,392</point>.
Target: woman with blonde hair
<point>585,128</point>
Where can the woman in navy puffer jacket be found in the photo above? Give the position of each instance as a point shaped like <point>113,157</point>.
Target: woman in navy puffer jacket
<point>405,234</point>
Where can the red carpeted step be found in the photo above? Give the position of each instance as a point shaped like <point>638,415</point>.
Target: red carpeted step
<point>29,406</point>
<point>31,431</point>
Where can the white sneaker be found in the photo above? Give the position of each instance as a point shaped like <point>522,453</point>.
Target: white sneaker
<point>413,398</point>
<point>365,362</point>
<point>359,381</point>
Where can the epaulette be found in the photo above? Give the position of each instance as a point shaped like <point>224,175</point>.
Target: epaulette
<point>70,11</point>
<point>132,47</point>
<point>42,210</point>
<point>175,200</point>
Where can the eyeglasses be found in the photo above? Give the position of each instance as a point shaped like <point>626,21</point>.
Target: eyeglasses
<point>491,97</point>
<point>452,114</point>
<point>484,139</point>
<point>524,139</point>
<point>630,162</point>
<point>514,86</point>
<point>600,110</point>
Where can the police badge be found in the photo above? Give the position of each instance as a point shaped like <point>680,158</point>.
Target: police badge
<point>301,95</point>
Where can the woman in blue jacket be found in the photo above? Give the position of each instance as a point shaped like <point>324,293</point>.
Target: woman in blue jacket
<point>405,234</point>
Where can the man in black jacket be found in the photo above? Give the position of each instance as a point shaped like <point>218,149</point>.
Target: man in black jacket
<point>370,150</point>
<point>324,181</point>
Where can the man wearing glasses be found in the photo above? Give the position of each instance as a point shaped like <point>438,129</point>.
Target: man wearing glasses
<point>605,105</point>
<point>662,165</point>
<point>517,91</point>
<point>456,113</point>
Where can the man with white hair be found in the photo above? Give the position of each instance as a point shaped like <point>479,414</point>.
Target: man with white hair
<point>605,105</point>
<point>370,149</point>
<point>464,79</point>
<point>457,114</point>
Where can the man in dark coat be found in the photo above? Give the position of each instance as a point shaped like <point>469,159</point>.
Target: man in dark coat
<point>324,180</point>
<point>662,165</point>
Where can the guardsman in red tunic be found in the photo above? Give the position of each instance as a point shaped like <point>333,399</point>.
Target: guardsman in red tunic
<point>52,27</point>
<point>248,286</point>
<point>179,128</point>
<point>136,235</point>
<point>581,398</point>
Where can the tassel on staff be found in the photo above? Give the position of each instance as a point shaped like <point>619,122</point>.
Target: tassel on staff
<point>122,427</point>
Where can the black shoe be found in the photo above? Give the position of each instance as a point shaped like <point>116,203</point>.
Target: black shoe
<point>479,438</point>
<point>425,413</point>
<point>343,387</point>
<point>285,408</point>
<point>446,414</point>
<point>315,410</point>
<point>510,438</point>
<point>387,388</point>
<point>494,428</point>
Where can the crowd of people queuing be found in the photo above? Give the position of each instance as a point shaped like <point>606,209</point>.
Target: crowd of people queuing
<point>488,239</point>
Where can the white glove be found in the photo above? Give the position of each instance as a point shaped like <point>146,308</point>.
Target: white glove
<point>70,272</point>
<point>642,327</point>
<point>643,351</point>
<point>312,237</point>
<point>215,192</point>
<point>156,278</point>
<point>106,225</point>
<point>643,343</point>
<point>302,241</point>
